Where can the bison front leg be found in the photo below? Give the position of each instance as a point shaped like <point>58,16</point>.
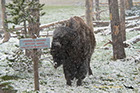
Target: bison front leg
<point>82,72</point>
<point>67,76</point>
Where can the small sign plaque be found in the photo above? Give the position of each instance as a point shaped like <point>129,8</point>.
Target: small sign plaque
<point>39,43</point>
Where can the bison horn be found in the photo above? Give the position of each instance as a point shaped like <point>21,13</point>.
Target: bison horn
<point>57,44</point>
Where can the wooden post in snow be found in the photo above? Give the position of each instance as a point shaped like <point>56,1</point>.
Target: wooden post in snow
<point>34,33</point>
<point>39,43</point>
<point>36,76</point>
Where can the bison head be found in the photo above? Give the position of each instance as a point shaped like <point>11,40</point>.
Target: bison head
<point>57,48</point>
<point>56,54</point>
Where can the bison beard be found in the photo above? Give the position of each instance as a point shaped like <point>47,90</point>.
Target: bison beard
<point>73,46</point>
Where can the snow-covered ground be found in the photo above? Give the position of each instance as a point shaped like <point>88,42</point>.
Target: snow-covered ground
<point>108,75</point>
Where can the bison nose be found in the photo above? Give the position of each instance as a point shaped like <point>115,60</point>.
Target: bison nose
<point>55,65</point>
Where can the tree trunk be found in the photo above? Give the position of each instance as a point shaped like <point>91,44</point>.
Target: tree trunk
<point>129,4</point>
<point>5,26</point>
<point>89,14</point>
<point>33,27</point>
<point>92,10</point>
<point>122,19</point>
<point>34,33</point>
<point>25,26</point>
<point>97,9</point>
<point>118,49</point>
<point>0,18</point>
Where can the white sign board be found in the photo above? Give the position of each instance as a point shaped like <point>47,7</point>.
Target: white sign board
<point>39,43</point>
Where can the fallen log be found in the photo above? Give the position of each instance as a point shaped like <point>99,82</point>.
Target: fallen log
<point>95,23</point>
<point>133,29</point>
<point>53,24</point>
<point>60,22</point>
<point>133,40</point>
<point>127,43</point>
<point>100,23</point>
<point>133,18</point>
<point>100,29</point>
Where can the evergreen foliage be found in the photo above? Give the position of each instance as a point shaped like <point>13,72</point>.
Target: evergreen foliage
<point>19,12</point>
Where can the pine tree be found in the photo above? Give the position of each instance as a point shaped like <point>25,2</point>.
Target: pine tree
<point>20,13</point>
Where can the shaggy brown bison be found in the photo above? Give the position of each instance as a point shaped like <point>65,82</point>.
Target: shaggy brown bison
<point>73,46</point>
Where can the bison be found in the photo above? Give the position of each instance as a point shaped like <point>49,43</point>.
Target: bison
<point>72,46</point>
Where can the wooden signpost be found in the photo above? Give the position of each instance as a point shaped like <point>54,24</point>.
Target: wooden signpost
<point>39,43</point>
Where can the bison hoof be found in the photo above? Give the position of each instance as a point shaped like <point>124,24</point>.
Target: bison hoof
<point>90,72</point>
<point>69,83</point>
<point>79,83</point>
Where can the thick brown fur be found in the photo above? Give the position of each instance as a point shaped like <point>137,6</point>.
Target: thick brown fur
<point>73,46</point>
